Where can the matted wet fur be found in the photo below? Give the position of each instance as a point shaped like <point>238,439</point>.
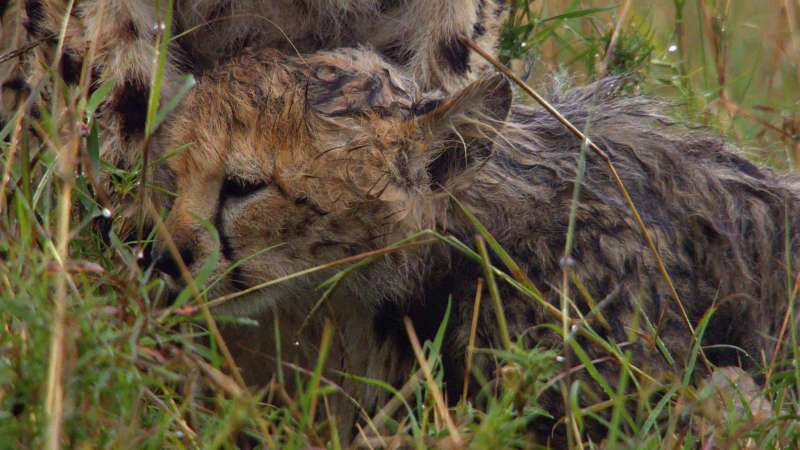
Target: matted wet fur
<point>338,153</point>
<point>121,35</point>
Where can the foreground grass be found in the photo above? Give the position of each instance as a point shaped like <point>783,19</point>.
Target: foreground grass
<point>81,320</point>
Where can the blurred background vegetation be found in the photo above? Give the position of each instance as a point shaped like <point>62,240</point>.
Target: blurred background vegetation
<point>733,64</point>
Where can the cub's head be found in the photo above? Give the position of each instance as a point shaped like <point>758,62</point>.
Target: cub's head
<point>297,162</point>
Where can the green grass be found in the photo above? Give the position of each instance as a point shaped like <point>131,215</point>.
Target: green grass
<point>77,315</point>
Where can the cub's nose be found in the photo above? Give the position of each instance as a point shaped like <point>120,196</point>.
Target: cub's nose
<point>165,263</point>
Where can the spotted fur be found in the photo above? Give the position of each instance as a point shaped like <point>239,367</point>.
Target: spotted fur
<point>420,35</point>
<point>334,154</point>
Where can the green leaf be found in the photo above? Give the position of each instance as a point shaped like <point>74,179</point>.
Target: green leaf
<point>578,13</point>
<point>437,341</point>
<point>508,261</point>
<point>699,331</point>
<point>98,96</point>
<point>656,413</point>
<point>157,82</point>
<point>186,86</point>
<point>93,149</point>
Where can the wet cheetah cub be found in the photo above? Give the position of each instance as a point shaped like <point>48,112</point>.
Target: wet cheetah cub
<point>300,161</point>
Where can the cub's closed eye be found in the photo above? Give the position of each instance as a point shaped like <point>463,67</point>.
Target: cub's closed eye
<point>238,187</point>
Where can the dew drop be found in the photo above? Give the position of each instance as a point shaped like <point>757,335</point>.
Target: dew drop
<point>672,48</point>
<point>296,343</point>
<point>567,261</point>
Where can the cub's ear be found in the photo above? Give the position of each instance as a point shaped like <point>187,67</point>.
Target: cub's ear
<point>465,126</point>
<point>488,98</point>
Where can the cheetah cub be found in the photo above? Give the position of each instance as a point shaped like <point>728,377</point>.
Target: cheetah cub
<point>300,161</point>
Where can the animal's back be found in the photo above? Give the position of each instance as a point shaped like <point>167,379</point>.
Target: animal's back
<point>722,226</point>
